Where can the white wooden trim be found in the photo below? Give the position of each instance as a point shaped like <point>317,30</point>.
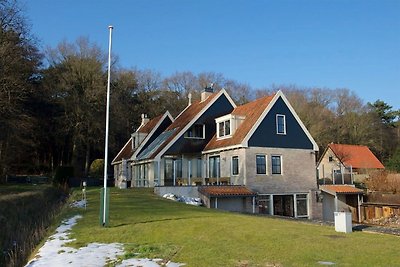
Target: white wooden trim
<point>221,149</point>
<point>146,139</point>
<point>117,162</point>
<point>194,119</point>
<point>265,112</point>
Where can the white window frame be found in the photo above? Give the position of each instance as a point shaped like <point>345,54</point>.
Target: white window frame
<point>224,135</point>
<point>238,168</point>
<point>272,165</point>
<point>266,164</point>
<point>284,124</point>
<point>307,199</point>
<point>218,168</point>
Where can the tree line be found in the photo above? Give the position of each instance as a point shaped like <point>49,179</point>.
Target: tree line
<point>52,103</point>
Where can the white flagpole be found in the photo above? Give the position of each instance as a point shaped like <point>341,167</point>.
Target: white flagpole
<point>107,123</point>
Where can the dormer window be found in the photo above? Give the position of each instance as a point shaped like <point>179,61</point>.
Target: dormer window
<point>227,125</point>
<point>197,131</point>
<point>280,124</point>
<point>224,128</point>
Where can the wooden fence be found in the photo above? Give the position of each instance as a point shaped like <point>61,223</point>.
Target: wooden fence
<point>371,211</point>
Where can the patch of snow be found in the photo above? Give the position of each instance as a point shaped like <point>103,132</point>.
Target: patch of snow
<point>188,200</point>
<point>55,253</point>
<point>326,263</point>
<point>79,204</point>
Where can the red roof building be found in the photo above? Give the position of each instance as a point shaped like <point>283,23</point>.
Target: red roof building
<point>347,163</point>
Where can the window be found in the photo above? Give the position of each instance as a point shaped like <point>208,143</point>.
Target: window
<point>224,128</point>
<point>198,167</point>
<point>235,165</point>
<point>330,158</point>
<point>214,167</point>
<point>261,164</point>
<point>301,203</point>
<point>178,163</point>
<point>195,132</point>
<point>264,204</point>
<point>276,162</point>
<point>280,124</point>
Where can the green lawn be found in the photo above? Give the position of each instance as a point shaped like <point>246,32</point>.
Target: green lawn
<point>159,228</point>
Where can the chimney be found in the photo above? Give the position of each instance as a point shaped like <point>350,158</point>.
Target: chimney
<point>207,92</point>
<point>190,99</point>
<point>144,119</point>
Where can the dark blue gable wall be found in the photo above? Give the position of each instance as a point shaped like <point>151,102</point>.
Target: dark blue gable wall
<point>266,136</point>
<point>163,125</point>
<point>221,107</point>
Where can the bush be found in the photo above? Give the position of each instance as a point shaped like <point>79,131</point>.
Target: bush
<point>97,168</point>
<point>384,182</point>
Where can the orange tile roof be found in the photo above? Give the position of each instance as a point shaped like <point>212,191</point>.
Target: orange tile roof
<point>341,189</point>
<point>226,191</point>
<point>356,156</point>
<point>125,153</point>
<point>251,111</point>
<point>150,125</point>
<point>184,119</point>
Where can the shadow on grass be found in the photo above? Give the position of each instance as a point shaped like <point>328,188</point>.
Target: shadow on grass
<point>160,220</point>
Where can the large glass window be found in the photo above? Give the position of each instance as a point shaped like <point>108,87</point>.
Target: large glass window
<point>224,128</point>
<point>261,164</point>
<point>199,167</point>
<point>235,165</point>
<point>280,124</point>
<point>178,163</point>
<point>301,202</point>
<point>276,162</point>
<point>196,131</point>
<point>214,167</point>
<point>264,204</point>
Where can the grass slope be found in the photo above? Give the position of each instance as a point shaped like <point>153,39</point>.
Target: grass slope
<point>150,226</point>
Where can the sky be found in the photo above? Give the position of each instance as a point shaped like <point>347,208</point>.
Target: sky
<point>307,43</point>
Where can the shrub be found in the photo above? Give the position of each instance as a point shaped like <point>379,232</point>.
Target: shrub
<point>97,168</point>
<point>384,182</point>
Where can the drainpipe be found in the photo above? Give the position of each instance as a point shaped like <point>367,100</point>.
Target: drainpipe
<point>254,204</point>
<point>336,202</point>
<point>359,208</point>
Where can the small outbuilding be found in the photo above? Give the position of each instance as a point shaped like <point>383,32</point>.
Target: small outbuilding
<point>338,198</point>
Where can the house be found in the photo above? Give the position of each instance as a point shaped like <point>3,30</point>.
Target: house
<point>344,164</point>
<point>265,146</point>
<point>338,168</point>
<point>139,140</point>
<point>258,157</point>
<point>175,156</point>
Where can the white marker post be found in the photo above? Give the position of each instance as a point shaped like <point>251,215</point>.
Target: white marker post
<point>105,202</point>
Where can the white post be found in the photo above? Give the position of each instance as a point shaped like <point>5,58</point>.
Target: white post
<point>107,124</point>
<point>174,172</point>
<point>189,171</point>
